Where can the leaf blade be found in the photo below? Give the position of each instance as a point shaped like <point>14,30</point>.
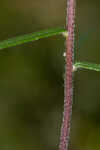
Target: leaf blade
<point>30,37</point>
<point>86,65</point>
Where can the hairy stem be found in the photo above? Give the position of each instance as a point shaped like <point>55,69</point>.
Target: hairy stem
<point>65,131</point>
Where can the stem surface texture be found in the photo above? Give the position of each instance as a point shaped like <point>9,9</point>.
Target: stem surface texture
<point>65,130</point>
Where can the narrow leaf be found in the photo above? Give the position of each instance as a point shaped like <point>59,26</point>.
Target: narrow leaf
<point>86,65</point>
<point>30,37</point>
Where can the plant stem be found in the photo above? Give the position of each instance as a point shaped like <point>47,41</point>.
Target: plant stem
<point>65,131</point>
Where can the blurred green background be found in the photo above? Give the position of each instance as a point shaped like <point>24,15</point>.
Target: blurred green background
<point>31,77</point>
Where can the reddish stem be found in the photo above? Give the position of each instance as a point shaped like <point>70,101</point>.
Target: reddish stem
<point>65,131</point>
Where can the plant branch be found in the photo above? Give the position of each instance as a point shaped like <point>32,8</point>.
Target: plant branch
<point>30,37</point>
<point>86,65</point>
<point>65,131</point>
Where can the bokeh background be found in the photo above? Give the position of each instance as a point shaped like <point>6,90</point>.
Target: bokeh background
<point>32,77</point>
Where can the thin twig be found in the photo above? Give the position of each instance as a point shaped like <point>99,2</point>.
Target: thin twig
<point>65,131</point>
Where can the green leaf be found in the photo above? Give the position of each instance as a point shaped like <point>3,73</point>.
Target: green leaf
<point>30,37</point>
<point>86,65</point>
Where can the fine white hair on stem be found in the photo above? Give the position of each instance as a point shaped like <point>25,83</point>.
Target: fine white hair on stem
<point>64,54</point>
